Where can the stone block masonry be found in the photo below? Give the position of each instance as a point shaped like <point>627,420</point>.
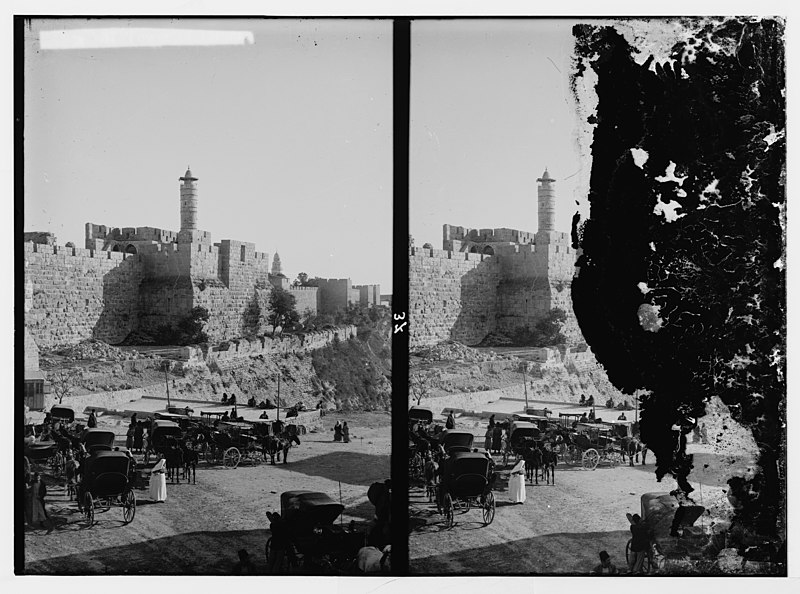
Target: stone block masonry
<point>80,294</point>
<point>452,295</point>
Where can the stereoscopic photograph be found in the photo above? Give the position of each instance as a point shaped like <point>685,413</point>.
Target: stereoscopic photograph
<point>207,277</point>
<point>597,290</point>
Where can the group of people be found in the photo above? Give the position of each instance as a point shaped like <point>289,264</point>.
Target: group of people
<point>584,401</point>
<point>495,437</point>
<point>341,432</point>
<point>137,438</point>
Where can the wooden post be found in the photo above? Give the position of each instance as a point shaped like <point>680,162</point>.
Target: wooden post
<point>166,380</point>
<point>279,394</point>
<point>525,385</point>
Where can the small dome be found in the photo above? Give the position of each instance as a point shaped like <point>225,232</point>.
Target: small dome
<point>188,175</point>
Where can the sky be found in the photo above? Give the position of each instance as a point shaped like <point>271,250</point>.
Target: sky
<point>490,109</point>
<point>290,135</point>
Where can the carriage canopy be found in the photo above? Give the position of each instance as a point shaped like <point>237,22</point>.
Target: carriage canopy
<point>163,429</point>
<point>63,413</point>
<point>94,438</point>
<point>467,474</point>
<point>309,508</point>
<point>106,461</point>
<point>658,510</point>
<point>421,414</point>
<point>521,430</point>
<point>454,440</point>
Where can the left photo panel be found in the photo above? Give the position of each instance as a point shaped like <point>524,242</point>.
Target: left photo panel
<point>206,236</point>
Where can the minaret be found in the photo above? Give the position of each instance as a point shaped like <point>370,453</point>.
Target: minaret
<point>547,202</point>
<point>277,269</point>
<point>188,201</point>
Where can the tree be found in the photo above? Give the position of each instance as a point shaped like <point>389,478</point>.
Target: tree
<point>191,328</point>
<point>302,279</point>
<point>63,382</point>
<point>419,387</point>
<point>713,273</point>
<point>549,328</point>
<point>282,310</point>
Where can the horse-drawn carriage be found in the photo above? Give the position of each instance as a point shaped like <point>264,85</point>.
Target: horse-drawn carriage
<point>466,482</point>
<point>593,443</point>
<point>420,414</point>
<point>316,544</point>
<point>454,440</point>
<point>232,443</point>
<point>96,440</point>
<point>659,515</point>
<point>519,433</point>
<point>105,482</point>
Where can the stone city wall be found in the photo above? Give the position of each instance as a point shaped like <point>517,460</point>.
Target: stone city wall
<point>305,299</point>
<point>80,294</point>
<point>452,295</point>
<point>267,346</point>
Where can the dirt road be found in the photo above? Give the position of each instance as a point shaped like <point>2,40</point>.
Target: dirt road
<point>558,530</point>
<point>200,528</point>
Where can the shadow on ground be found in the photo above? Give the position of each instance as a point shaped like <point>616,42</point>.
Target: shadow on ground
<point>163,556</point>
<point>548,554</point>
<point>349,467</point>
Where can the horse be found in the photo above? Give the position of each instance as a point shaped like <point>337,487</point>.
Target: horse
<point>274,445</point>
<point>549,461</point>
<point>631,447</point>
<point>190,460</point>
<point>174,462</point>
<point>533,461</point>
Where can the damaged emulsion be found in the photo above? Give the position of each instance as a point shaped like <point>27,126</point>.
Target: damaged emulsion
<point>687,199</point>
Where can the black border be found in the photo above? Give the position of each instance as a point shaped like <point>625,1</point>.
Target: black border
<point>401,57</point>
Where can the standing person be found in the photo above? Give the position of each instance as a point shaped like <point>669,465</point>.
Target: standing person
<point>644,453</point>
<point>488,440</point>
<point>491,422</point>
<point>451,421</point>
<point>640,544</point>
<point>278,543</point>
<point>337,431</point>
<point>345,432</point>
<point>70,473</point>
<point>497,436</point>
<point>129,436</point>
<point>38,493</point>
<point>158,480</point>
<point>516,482</point>
<point>606,567</point>
<point>92,422</point>
<point>138,437</point>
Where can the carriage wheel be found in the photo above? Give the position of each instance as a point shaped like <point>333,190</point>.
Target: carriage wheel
<point>488,508</point>
<point>628,551</point>
<point>590,459</point>
<point>88,509</point>
<point>266,550</point>
<point>231,458</point>
<point>128,506</point>
<point>449,519</point>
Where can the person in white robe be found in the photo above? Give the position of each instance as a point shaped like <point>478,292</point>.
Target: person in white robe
<point>516,482</point>
<point>158,481</point>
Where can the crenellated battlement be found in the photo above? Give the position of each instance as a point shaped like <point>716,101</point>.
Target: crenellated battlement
<point>144,279</point>
<point>486,280</point>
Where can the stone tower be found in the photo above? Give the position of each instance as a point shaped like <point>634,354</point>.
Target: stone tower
<point>277,269</point>
<point>188,201</point>
<point>547,202</point>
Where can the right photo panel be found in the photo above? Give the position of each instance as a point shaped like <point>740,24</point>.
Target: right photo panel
<point>597,292</point>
